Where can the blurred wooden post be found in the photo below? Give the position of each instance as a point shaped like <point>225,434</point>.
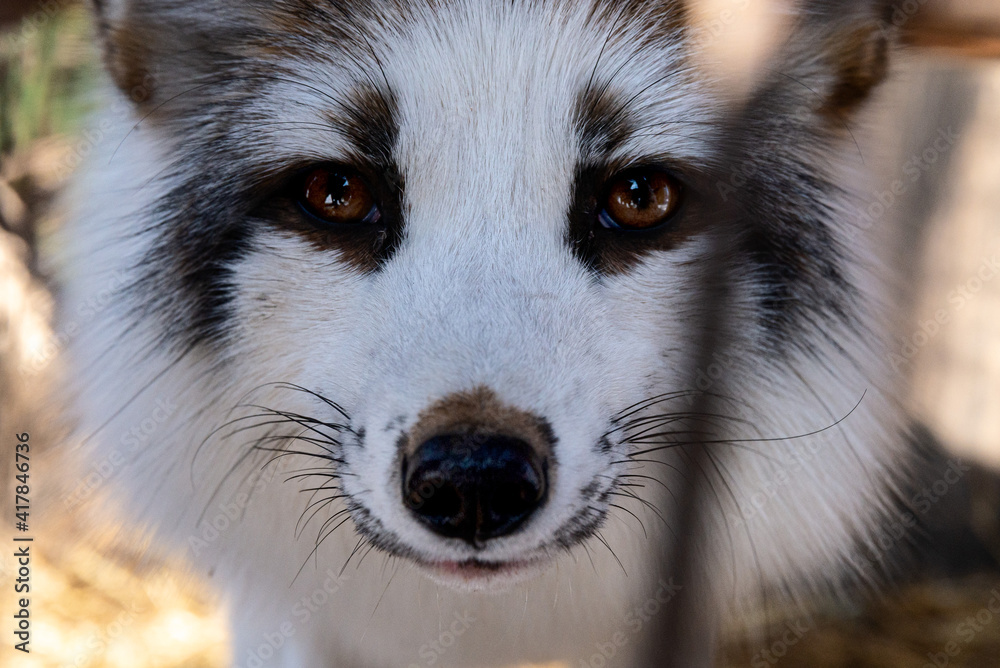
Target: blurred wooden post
<point>964,27</point>
<point>687,635</point>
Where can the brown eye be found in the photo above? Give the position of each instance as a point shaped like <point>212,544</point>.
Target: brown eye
<point>338,195</point>
<point>640,200</point>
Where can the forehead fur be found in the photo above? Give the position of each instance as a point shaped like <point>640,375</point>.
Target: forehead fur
<point>476,68</point>
<point>146,39</point>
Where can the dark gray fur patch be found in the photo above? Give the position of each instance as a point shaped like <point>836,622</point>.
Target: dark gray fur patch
<point>218,66</point>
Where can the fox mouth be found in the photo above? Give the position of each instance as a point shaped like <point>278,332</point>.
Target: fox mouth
<point>478,566</point>
<point>483,575</point>
<point>478,572</point>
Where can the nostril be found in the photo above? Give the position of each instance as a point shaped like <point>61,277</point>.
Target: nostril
<point>437,500</point>
<point>515,499</point>
<point>473,487</point>
<point>510,504</point>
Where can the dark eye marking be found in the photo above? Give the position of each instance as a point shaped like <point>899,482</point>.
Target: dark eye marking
<point>353,207</point>
<point>353,210</point>
<point>617,218</point>
<point>619,215</point>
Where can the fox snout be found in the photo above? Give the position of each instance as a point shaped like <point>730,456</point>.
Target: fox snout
<point>474,468</point>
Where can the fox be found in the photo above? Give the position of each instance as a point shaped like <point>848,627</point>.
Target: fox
<point>407,299</point>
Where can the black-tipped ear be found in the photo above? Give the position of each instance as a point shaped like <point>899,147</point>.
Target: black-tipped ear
<point>859,57</point>
<point>127,46</point>
<point>839,51</point>
<point>857,51</point>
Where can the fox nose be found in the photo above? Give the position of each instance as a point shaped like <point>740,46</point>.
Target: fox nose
<point>473,487</point>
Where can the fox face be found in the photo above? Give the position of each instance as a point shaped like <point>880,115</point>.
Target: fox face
<point>441,266</point>
<point>491,317</point>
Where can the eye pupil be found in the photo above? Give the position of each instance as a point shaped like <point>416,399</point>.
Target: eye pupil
<point>640,193</point>
<point>640,201</point>
<point>337,196</point>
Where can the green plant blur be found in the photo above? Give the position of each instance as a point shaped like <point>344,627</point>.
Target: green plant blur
<point>48,67</point>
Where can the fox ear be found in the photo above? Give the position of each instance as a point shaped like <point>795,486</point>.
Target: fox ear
<point>860,60</point>
<point>127,47</point>
<point>839,51</point>
<point>857,50</point>
<point>152,47</point>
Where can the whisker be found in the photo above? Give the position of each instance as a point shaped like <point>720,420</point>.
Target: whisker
<point>741,442</point>
<point>667,446</point>
<point>323,442</point>
<point>222,481</point>
<point>303,420</point>
<point>624,509</point>
<point>284,453</point>
<point>672,417</point>
<point>316,507</point>
<point>319,472</point>
<point>357,547</point>
<point>371,547</point>
<point>601,538</point>
<point>646,477</point>
<point>652,401</point>
<point>332,404</point>
<point>652,508</point>
<point>319,541</point>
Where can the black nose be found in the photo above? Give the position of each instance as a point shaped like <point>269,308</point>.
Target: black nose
<point>473,487</point>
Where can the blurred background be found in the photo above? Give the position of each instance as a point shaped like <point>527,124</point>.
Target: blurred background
<point>99,602</point>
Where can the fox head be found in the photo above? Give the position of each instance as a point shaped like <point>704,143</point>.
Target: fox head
<point>441,266</point>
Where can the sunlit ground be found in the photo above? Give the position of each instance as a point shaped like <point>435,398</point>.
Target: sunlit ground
<point>91,611</point>
<point>92,608</point>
